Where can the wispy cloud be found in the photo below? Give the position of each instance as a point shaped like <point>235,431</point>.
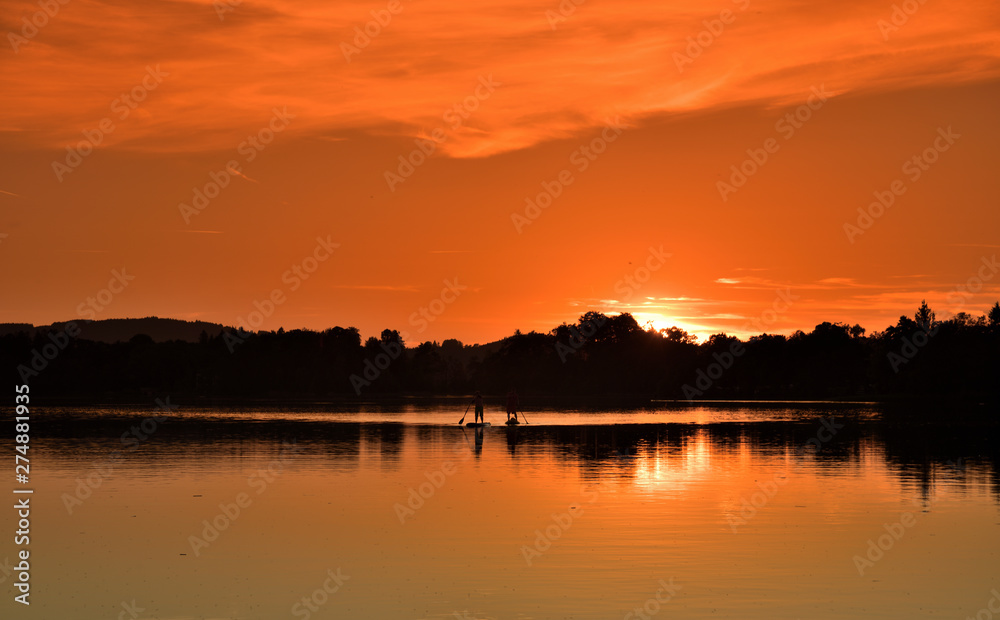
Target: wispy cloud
<point>379,287</point>
<point>606,59</point>
<point>751,283</point>
<point>236,172</point>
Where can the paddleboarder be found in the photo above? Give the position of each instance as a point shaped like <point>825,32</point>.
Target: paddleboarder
<point>477,400</point>
<point>512,405</point>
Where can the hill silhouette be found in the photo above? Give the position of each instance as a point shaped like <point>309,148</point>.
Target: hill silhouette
<point>599,355</point>
<point>122,330</point>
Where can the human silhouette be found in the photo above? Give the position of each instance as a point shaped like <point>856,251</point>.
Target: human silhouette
<point>477,400</point>
<point>512,406</point>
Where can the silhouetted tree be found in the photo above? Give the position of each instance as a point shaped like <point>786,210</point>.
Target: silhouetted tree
<point>994,314</point>
<point>924,316</point>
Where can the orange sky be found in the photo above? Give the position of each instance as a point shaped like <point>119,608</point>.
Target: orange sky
<point>532,89</point>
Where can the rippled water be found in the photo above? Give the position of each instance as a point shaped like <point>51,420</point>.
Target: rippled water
<point>723,511</point>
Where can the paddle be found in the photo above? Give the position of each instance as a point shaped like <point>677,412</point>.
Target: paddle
<point>465,414</point>
<point>525,419</point>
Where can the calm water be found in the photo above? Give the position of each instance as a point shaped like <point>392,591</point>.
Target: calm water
<point>725,511</point>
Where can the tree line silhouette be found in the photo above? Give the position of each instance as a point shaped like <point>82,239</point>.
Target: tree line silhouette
<point>599,355</point>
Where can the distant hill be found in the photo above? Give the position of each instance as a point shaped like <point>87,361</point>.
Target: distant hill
<point>16,328</point>
<point>164,330</point>
<point>122,330</point>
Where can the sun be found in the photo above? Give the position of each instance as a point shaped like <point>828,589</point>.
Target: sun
<point>660,321</point>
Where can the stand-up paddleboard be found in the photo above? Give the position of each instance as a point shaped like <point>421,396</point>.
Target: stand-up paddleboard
<point>478,424</point>
<point>512,421</point>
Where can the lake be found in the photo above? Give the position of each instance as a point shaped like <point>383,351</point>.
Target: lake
<point>721,510</point>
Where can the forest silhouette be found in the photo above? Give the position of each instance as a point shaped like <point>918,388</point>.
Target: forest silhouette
<point>599,355</point>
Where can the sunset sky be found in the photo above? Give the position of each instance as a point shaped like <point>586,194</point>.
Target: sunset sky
<point>665,98</point>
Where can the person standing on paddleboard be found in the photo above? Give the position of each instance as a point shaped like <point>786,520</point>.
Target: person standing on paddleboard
<point>512,404</point>
<point>477,400</point>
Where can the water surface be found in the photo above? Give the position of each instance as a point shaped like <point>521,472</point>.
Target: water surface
<point>718,511</point>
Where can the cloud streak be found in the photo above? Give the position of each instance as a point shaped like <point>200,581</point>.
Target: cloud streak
<point>605,60</point>
<point>379,287</point>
